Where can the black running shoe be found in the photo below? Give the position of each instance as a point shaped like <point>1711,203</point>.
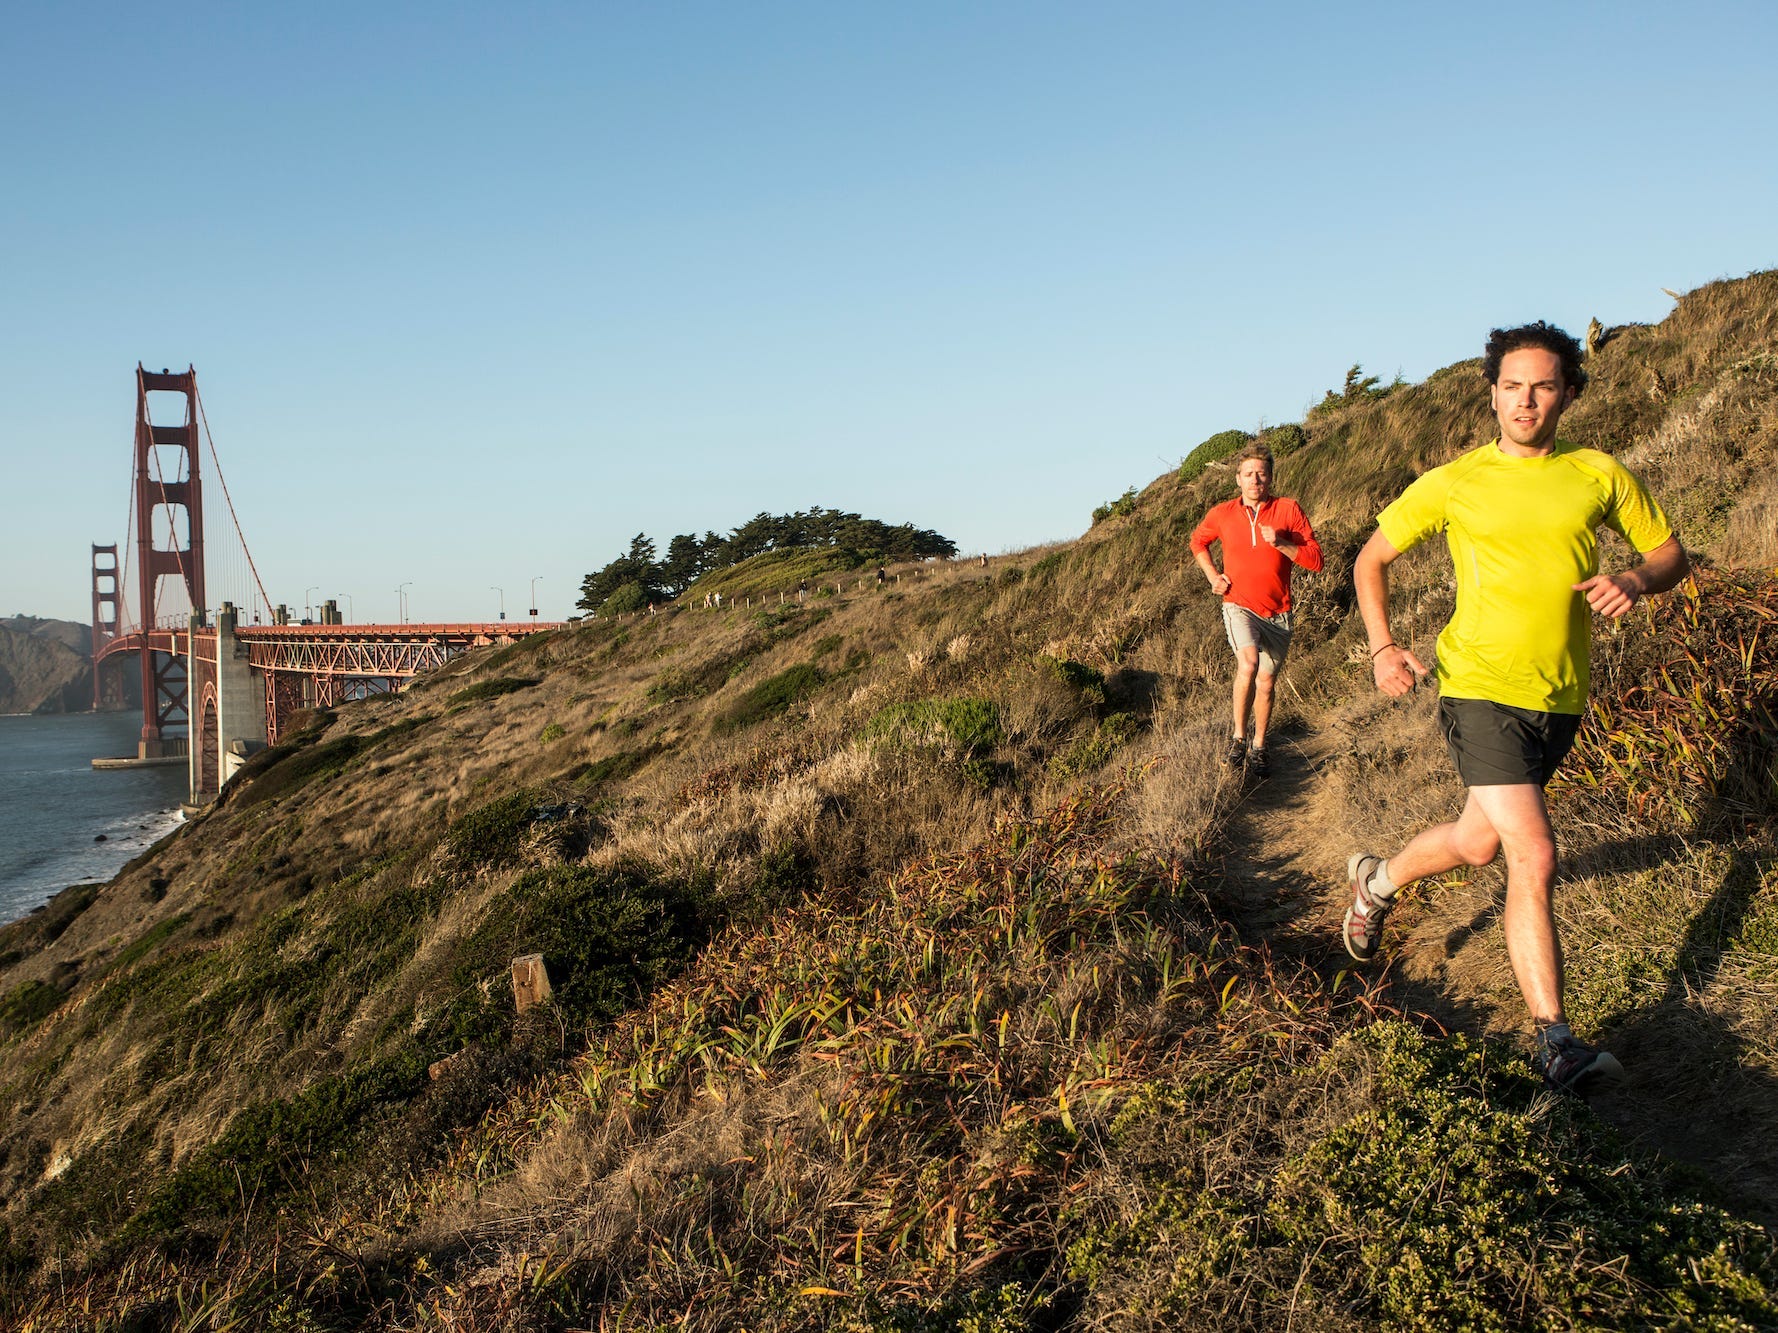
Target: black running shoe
<point>1571,1066</point>
<point>1237,754</point>
<point>1257,764</point>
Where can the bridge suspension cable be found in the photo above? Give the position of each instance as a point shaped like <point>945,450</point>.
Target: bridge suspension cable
<point>227,499</point>
<point>124,614</point>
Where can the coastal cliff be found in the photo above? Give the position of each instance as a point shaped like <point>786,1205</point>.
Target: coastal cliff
<point>45,666</point>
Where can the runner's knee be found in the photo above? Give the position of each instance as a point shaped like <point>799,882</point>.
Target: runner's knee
<point>1477,847</point>
<point>1535,858</point>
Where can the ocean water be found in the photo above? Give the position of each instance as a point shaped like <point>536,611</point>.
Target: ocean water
<point>54,805</point>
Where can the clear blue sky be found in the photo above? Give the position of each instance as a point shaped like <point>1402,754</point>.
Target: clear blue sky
<point>477,292</point>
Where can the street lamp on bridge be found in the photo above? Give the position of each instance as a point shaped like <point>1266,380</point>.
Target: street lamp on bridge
<point>401,600</point>
<point>534,583</point>
<point>502,592</point>
<point>308,608</point>
<point>351,615</point>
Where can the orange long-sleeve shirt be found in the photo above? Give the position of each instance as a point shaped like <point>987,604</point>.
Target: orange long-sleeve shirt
<point>1259,574</point>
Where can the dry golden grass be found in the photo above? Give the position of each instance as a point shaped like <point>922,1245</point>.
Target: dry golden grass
<point>1182,805</point>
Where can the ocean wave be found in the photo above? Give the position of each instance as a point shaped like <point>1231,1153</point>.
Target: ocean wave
<point>87,862</point>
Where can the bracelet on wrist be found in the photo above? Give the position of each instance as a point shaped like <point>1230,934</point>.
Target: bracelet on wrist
<point>1382,649</point>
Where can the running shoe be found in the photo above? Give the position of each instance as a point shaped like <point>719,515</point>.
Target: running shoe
<point>1569,1065</point>
<point>1257,764</point>
<point>1364,919</point>
<point>1237,754</point>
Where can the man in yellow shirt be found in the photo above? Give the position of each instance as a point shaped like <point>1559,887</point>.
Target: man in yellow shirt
<point>1521,516</point>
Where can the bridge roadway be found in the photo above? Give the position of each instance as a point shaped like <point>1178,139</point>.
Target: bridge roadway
<point>241,683</point>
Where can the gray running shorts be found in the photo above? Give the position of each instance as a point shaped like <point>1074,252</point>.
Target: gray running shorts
<point>1269,634</point>
<point>1494,745</point>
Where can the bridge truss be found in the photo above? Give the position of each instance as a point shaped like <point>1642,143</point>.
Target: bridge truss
<point>317,666</point>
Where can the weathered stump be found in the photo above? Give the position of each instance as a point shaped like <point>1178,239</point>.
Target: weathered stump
<point>530,981</point>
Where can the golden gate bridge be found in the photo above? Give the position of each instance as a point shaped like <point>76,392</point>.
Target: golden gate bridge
<point>221,680</point>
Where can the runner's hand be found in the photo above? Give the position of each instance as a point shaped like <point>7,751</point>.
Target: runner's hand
<point>1268,534</point>
<point>1221,584</point>
<point>1610,594</point>
<point>1397,671</point>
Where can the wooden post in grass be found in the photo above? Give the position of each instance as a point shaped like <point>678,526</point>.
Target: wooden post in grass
<point>530,981</point>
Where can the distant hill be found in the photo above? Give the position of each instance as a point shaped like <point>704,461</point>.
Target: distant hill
<point>45,665</point>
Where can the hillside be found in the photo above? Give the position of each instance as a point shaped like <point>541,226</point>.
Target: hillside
<point>44,666</point>
<point>917,967</point>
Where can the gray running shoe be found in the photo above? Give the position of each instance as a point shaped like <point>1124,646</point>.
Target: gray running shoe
<point>1573,1067</point>
<point>1237,754</point>
<point>1364,919</point>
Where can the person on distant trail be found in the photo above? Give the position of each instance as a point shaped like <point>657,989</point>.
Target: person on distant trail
<point>1264,538</point>
<point>1521,516</point>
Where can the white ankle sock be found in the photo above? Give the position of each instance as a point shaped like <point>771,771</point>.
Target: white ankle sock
<point>1380,886</point>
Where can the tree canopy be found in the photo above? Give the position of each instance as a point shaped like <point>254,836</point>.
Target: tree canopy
<point>640,578</point>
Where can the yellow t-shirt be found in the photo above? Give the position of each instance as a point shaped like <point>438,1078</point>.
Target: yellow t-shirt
<point>1522,533</point>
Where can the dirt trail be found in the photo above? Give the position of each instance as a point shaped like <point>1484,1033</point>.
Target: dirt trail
<point>1281,874</point>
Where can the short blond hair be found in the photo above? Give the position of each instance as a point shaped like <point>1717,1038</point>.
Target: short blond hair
<point>1256,449</point>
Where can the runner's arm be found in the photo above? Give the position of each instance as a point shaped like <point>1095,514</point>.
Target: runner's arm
<point>1219,582</point>
<point>1205,533</point>
<point>1395,669</point>
<point>1614,594</point>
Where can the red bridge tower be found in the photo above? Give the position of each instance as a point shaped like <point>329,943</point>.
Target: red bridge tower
<point>165,690</point>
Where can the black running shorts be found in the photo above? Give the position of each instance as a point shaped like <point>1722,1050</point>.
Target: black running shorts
<point>1494,745</point>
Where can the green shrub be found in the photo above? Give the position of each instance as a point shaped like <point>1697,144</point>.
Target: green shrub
<point>490,835</point>
<point>1421,1183</point>
<point>607,935</point>
<point>612,768</point>
<point>1358,388</point>
<point>499,657</point>
<point>782,876</point>
<point>1510,1194</point>
<point>1124,504</point>
<point>987,773</point>
<point>628,597</point>
<point>1008,1308</point>
<point>273,1148</point>
<point>1077,675</point>
<point>296,768</point>
<point>491,689</point>
<point>967,726</point>
<point>1092,750</point>
<point>771,697</point>
<point>1223,444</point>
<point>147,940</point>
<point>1286,439</point>
<point>786,621</point>
<point>27,1003</point>
<point>672,685</point>
<point>552,731</point>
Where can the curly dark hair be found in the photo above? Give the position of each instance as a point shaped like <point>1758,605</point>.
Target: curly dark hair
<point>1541,335</point>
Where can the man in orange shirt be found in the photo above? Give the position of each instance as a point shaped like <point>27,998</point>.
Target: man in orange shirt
<point>1264,538</point>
